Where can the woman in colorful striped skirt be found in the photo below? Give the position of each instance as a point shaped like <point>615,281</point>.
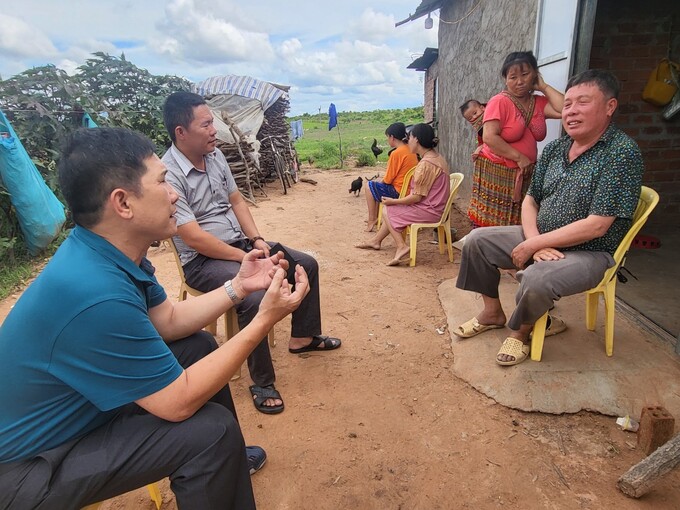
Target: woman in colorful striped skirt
<point>514,123</point>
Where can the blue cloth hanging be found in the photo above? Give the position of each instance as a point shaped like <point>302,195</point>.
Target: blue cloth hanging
<point>39,212</point>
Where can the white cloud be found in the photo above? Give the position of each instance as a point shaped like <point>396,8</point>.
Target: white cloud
<point>202,36</point>
<point>372,26</point>
<point>19,39</point>
<point>351,54</point>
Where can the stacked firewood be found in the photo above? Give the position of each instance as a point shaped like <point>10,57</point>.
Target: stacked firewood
<point>242,163</point>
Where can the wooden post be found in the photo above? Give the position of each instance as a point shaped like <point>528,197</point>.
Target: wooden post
<point>642,476</point>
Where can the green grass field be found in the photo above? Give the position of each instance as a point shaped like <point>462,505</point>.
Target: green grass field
<point>321,147</point>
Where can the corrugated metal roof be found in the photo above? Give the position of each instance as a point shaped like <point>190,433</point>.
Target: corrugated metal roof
<point>424,62</point>
<point>425,7</point>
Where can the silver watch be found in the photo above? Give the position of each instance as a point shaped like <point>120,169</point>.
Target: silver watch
<point>232,293</point>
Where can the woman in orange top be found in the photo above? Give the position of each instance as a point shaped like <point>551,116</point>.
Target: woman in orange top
<point>401,160</point>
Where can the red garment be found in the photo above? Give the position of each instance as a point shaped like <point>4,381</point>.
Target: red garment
<point>513,128</point>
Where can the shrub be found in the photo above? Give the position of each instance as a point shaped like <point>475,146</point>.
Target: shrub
<point>365,159</point>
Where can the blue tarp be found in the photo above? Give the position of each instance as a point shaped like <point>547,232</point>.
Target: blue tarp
<point>40,213</point>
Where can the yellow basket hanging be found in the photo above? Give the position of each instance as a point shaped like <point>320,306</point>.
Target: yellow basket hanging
<point>661,85</point>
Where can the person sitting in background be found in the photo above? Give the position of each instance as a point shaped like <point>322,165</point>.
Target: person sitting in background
<point>580,205</point>
<point>514,121</point>
<point>107,384</point>
<point>400,161</point>
<point>215,231</point>
<point>426,201</point>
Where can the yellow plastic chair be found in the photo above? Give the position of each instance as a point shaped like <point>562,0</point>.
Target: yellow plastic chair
<point>404,191</point>
<point>443,226</point>
<point>607,287</point>
<point>154,492</point>
<point>230,317</point>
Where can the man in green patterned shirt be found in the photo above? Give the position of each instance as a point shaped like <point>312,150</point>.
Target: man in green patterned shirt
<point>579,206</point>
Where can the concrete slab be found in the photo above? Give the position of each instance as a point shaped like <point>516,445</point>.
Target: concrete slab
<point>575,373</point>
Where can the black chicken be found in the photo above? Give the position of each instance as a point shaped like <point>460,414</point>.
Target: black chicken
<point>377,151</point>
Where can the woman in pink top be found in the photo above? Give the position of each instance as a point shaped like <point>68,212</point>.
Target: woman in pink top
<point>427,198</point>
<point>514,121</point>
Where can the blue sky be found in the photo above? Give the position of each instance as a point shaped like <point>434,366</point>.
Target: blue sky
<point>348,53</point>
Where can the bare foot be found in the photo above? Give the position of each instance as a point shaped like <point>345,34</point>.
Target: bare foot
<point>370,225</point>
<point>368,246</point>
<point>402,255</point>
<point>485,318</point>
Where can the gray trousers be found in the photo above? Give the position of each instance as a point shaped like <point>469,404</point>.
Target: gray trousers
<point>204,456</point>
<point>206,274</point>
<point>488,249</point>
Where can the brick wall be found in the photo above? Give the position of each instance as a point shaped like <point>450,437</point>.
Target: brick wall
<point>430,78</point>
<point>630,39</point>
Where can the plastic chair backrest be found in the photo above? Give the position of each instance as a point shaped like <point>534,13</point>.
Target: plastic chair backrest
<point>173,248</point>
<point>454,182</point>
<point>406,185</point>
<point>646,204</point>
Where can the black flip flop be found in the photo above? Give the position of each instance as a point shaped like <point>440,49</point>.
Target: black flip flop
<point>329,344</point>
<point>261,394</point>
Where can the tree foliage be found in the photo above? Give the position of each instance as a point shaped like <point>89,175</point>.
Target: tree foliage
<point>45,104</point>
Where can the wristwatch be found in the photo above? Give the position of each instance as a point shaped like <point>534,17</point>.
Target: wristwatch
<point>232,293</point>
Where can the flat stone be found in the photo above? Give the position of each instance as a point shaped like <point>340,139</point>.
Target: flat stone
<point>575,373</point>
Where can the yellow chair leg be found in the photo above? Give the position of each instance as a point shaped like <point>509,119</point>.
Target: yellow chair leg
<point>380,211</point>
<point>449,240</point>
<point>155,494</point>
<point>413,245</point>
<point>592,302</point>
<point>609,311</point>
<point>537,337</point>
<point>440,239</point>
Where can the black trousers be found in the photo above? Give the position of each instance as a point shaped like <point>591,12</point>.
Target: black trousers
<point>204,456</point>
<point>206,274</point>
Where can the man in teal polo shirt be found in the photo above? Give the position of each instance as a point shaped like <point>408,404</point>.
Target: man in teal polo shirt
<point>579,206</point>
<point>108,385</point>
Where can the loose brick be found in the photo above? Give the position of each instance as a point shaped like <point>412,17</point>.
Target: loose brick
<point>656,427</point>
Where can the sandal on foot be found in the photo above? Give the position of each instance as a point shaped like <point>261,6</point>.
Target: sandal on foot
<point>515,348</point>
<point>329,343</point>
<point>261,394</point>
<point>554,326</point>
<point>473,328</point>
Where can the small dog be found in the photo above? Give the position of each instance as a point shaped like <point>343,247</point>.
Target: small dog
<point>356,186</point>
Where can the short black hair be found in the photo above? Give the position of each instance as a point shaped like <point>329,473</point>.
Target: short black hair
<point>397,130</point>
<point>518,58</point>
<point>468,104</point>
<point>604,80</point>
<point>425,135</point>
<point>96,161</point>
<point>178,110</point>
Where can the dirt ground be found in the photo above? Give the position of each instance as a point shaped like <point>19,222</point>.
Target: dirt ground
<point>382,423</point>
